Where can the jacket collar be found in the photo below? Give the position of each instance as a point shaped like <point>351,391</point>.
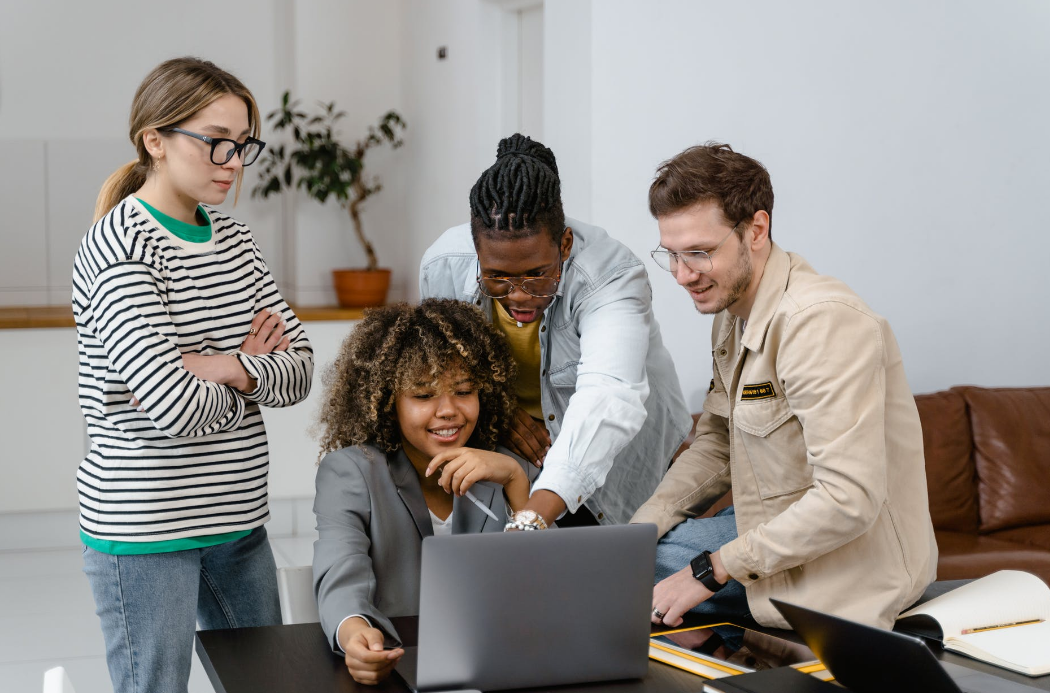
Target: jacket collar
<point>471,291</point>
<point>771,289</point>
<point>404,476</point>
<point>466,517</point>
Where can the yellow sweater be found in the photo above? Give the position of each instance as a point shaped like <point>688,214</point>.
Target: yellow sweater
<point>524,345</point>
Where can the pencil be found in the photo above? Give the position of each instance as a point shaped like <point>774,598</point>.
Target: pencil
<point>1004,625</point>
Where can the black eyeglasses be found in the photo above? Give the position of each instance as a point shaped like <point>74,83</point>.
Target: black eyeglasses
<point>537,287</point>
<point>223,149</point>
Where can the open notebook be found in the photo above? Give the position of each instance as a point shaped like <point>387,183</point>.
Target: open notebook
<point>1002,619</point>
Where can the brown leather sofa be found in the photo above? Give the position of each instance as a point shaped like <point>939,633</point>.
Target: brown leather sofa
<point>988,473</point>
<point>988,476</point>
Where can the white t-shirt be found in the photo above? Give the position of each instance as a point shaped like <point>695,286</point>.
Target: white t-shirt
<point>442,528</point>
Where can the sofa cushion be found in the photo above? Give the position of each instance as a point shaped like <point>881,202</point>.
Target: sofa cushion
<point>951,479</point>
<point>1011,440</point>
<point>1036,535</point>
<point>965,556</point>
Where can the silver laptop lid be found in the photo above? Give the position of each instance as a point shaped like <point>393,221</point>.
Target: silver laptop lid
<point>525,609</point>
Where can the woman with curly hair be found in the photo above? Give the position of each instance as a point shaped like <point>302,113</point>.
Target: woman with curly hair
<point>414,405</point>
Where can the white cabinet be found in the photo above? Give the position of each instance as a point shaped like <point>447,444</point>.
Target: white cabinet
<point>42,433</point>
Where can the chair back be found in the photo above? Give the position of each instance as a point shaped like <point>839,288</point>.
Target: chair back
<point>57,681</point>
<point>295,585</point>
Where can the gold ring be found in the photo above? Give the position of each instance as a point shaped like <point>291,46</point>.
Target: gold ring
<point>252,330</point>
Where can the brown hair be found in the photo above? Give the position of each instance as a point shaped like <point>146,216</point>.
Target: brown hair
<point>173,92</point>
<point>712,172</point>
<point>397,346</point>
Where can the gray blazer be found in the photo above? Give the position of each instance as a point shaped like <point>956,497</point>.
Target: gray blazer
<point>371,520</point>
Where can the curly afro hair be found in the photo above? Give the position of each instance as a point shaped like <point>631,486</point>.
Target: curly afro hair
<point>397,346</point>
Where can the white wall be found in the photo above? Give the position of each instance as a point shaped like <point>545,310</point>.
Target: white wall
<point>456,106</point>
<point>68,73</point>
<point>567,76</point>
<point>906,142</point>
<point>351,53</point>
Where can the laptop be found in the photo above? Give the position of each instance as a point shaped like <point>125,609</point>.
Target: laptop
<point>866,659</point>
<point>527,609</point>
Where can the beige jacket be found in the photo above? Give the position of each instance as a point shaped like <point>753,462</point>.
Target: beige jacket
<point>811,421</point>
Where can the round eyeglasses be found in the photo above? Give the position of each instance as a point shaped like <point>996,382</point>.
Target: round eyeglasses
<point>696,260</point>
<point>537,287</point>
<point>223,149</point>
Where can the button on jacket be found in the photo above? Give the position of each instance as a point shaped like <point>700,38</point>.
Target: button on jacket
<point>811,421</point>
<point>610,394</point>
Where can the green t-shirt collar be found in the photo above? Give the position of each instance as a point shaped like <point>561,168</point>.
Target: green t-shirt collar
<point>187,232</point>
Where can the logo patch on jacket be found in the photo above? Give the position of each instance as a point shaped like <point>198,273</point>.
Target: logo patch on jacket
<point>761,391</point>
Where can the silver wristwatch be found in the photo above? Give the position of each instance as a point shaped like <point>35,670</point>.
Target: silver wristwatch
<point>526,521</point>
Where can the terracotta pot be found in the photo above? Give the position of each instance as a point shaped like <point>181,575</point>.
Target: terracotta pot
<point>358,288</point>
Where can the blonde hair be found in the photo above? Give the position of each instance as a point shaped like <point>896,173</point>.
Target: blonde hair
<point>173,92</point>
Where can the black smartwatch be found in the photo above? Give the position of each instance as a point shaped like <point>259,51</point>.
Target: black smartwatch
<point>705,572</point>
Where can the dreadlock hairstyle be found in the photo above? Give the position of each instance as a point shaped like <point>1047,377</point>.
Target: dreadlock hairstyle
<point>398,346</point>
<point>520,194</point>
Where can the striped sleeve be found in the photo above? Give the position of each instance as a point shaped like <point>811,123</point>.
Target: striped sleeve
<point>283,377</point>
<point>132,323</point>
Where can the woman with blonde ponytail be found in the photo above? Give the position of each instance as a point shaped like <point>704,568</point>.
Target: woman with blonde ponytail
<point>183,336</point>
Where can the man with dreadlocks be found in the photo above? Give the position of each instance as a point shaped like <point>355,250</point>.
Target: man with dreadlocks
<point>600,406</point>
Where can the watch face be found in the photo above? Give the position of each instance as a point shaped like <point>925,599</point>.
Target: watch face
<point>701,566</point>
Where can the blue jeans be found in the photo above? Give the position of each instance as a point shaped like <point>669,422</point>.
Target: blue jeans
<point>149,606</point>
<point>683,543</point>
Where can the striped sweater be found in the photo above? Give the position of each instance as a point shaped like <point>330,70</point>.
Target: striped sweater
<point>195,462</point>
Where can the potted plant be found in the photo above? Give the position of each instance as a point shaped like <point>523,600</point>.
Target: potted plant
<point>317,163</point>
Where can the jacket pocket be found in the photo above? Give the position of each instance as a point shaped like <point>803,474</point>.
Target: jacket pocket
<point>771,436</point>
<point>564,376</point>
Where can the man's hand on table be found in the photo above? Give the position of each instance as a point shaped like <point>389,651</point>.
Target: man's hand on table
<point>675,595</point>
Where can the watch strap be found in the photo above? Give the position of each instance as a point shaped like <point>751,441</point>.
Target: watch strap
<point>705,572</point>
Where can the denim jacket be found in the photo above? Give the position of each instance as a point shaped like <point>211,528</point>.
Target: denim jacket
<point>611,398</point>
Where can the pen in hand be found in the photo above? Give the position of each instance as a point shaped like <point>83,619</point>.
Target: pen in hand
<point>484,508</point>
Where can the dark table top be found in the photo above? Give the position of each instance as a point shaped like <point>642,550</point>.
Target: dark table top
<point>276,659</point>
<point>297,658</point>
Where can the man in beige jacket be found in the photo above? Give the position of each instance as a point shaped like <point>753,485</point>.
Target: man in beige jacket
<point>809,419</point>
